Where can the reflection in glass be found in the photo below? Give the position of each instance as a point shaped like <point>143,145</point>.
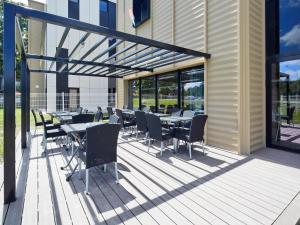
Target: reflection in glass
<point>286,104</point>
<point>289,26</point>
<point>192,89</point>
<point>167,92</point>
<point>148,92</point>
<point>133,94</point>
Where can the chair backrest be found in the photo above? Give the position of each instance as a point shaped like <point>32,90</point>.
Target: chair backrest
<point>43,121</point>
<point>113,119</point>
<point>109,111</point>
<point>291,112</point>
<point>162,106</point>
<point>83,118</point>
<point>146,109</point>
<point>154,127</point>
<point>120,115</point>
<point>102,142</point>
<point>79,110</point>
<point>188,113</point>
<point>99,108</point>
<point>169,109</point>
<point>197,128</point>
<point>125,107</point>
<point>152,108</point>
<point>34,116</point>
<point>98,116</point>
<point>141,121</point>
<point>176,112</point>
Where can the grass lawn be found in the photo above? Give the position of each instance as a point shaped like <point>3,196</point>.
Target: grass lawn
<point>18,127</point>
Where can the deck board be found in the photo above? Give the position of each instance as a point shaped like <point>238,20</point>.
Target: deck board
<point>218,188</point>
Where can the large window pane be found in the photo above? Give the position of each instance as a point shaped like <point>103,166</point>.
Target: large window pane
<point>148,92</point>
<point>133,95</point>
<point>286,104</point>
<point>73,9</point>
<point>167,91</point>
<point>289,26</point>
<point>192,89</point>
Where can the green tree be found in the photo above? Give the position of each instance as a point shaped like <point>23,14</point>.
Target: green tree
<point>24,30</point>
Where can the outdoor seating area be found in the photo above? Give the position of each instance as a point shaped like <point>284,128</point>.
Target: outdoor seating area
<point>119,127</point>
<point>148,188</point>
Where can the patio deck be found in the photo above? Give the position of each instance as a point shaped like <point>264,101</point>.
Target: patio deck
<point>219,188</point>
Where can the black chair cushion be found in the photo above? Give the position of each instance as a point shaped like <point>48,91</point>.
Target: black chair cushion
<point>181,134</point>
<point>55,133</point>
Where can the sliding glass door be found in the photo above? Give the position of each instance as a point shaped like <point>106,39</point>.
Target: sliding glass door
<point>192,89</point>
<point>167,85</point>
<point>148,89</point>
<point>283,74</point>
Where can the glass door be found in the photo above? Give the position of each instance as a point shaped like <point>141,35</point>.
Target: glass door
<point>286,104</point>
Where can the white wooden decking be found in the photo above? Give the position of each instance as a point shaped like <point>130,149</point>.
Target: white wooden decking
<point>219,188</point>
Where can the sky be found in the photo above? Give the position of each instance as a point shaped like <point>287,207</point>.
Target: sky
<point>289,26</point>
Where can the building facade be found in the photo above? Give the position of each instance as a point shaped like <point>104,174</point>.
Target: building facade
<point>74,91</point>
<point>230,87</point>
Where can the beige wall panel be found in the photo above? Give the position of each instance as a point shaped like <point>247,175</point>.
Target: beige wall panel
<point>162,12</point>
<point>257,74</point>
<point>222,79</point>
<point>189,24</point>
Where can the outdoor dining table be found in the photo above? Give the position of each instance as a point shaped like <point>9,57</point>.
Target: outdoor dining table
<point>72,129</point>
<point>175,119</point>
<point>64,113</point>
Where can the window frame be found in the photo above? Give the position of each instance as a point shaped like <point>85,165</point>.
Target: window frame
<point>71,14</point>
<point>136,23</point>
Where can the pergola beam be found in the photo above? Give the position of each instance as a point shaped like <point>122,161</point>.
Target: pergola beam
<point>61,43</point>
<point>68,73</point>
<point>81,41</point>
<point>101,54</point>
<point>85,63</point>
<point>93,48</point>
<point>83,26</point>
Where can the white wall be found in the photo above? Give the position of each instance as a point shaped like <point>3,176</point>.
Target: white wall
<point>93,90</point>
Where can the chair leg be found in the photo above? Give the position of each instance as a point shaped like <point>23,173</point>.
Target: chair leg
<point>136,133</point>
<point>87,181</point>
<point>149,142</point>
<point>203,149</point>
<point>104,168</point>
<point>116,173</point>
<point>69,177</point>
<point>190,149</point>
<point>64,167</point>
<point>161,148</point>
<point>80,168</point>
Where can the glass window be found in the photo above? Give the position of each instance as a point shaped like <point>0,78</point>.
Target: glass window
<point>141,11</point>
<point>103,6</point>
<point>148,92</point>
<point>167,92</point>
<point>73,9</point>
<point>286,104</point>
<point>133,95</point>
<point>192,89</point>
<point>289,26</point>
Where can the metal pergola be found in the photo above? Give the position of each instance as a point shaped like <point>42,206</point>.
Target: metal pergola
<point>139,55</point>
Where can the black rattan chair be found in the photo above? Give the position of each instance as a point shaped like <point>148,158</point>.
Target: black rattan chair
<point>79,110</point>
<point>110,111</point>
<point>194,134</point>
<point>99,148</point>
<point>290,116</point>
<point>99,115</point>
<point>83,118</point>
<point>141,123</point>
<point>156,132</point>
<point>53,131</point>
<point>37,123</point>
<point>124,124</point>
